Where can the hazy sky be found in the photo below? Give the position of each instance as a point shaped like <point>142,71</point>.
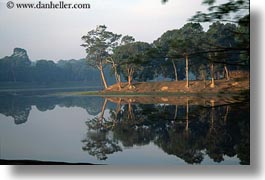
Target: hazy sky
<point>56,34</point>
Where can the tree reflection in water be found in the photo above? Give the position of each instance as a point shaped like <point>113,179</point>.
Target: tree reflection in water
<point>187,130</point>
<point>99,141</point>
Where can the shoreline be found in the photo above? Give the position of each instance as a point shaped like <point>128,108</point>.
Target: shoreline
<point>173,88</point>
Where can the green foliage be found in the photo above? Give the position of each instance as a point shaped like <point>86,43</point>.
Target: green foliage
<point>188,40</point>
<point>174,45</point>
<point>127,40</point>
<point>132,55</point>
<point>231,11</point>
<point>234,11</point>
<point>99,44</point>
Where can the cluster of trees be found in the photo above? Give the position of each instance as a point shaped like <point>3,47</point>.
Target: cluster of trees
<point>177,53</point>
<point>19,68</point>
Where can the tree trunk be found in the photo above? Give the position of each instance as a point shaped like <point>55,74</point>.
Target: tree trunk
<point>130,111</point>
<point>212,76</point>
<point>218,75</point>
<point>204,81</point>
<point>118,80</point>
<point>226,73</point>
<point>187,116</point>
<point>103,77</point>
<point>117,76</point>
<point>176,112</point>
<point>103,110</point>
<point>118,109</point>
<point>226,114</point>
<point>119,85</point>
<point>175,70</point>
<point>130,72</point>
<point>129,80</point>
<point>187,71</point>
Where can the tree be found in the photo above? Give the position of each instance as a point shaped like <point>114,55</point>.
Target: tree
<point>99,44</point>
<point>115,61</point>
<point>188,42</point>
<point>203,73</point>
<point>221,35</point>
<point>15,67</point>
<point>127,40</point>
<point>236,12</point>
<point>98,141</point>
<point>166,54</point>
<point>132,58</point>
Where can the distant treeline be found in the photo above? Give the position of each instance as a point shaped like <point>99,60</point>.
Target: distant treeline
<point>19,68</point>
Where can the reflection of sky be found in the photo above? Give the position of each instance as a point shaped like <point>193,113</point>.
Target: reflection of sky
<point>56,34</point>
<point>49,135</point>
<point>56,135</point>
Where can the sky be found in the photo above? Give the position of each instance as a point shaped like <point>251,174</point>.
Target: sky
<point>55,34</point>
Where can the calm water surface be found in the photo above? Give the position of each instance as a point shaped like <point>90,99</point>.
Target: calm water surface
<point>144,131</point>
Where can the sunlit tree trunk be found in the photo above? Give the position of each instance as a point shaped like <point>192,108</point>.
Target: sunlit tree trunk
<point>226,73</point>
<point>129,80</point>
<point>187,71</point>
<point>130,72</point>
<point>204,81</point>
<point>212,76</point>
<point>175,70</point>
<point>119,82</point>
<point>117,75</point>
<point>103,76</point>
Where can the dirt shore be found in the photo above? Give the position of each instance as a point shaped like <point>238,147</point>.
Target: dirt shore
<point>234,85</point>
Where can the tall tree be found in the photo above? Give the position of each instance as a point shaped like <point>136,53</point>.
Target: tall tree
<point>167,55</point>
<point>99,44</point>
<point>132,57</point>
<point>188,42</point>
<point>115,61</point>
<point>221,36</point>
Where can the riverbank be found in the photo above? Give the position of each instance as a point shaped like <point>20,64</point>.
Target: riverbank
<point>233,86</point>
